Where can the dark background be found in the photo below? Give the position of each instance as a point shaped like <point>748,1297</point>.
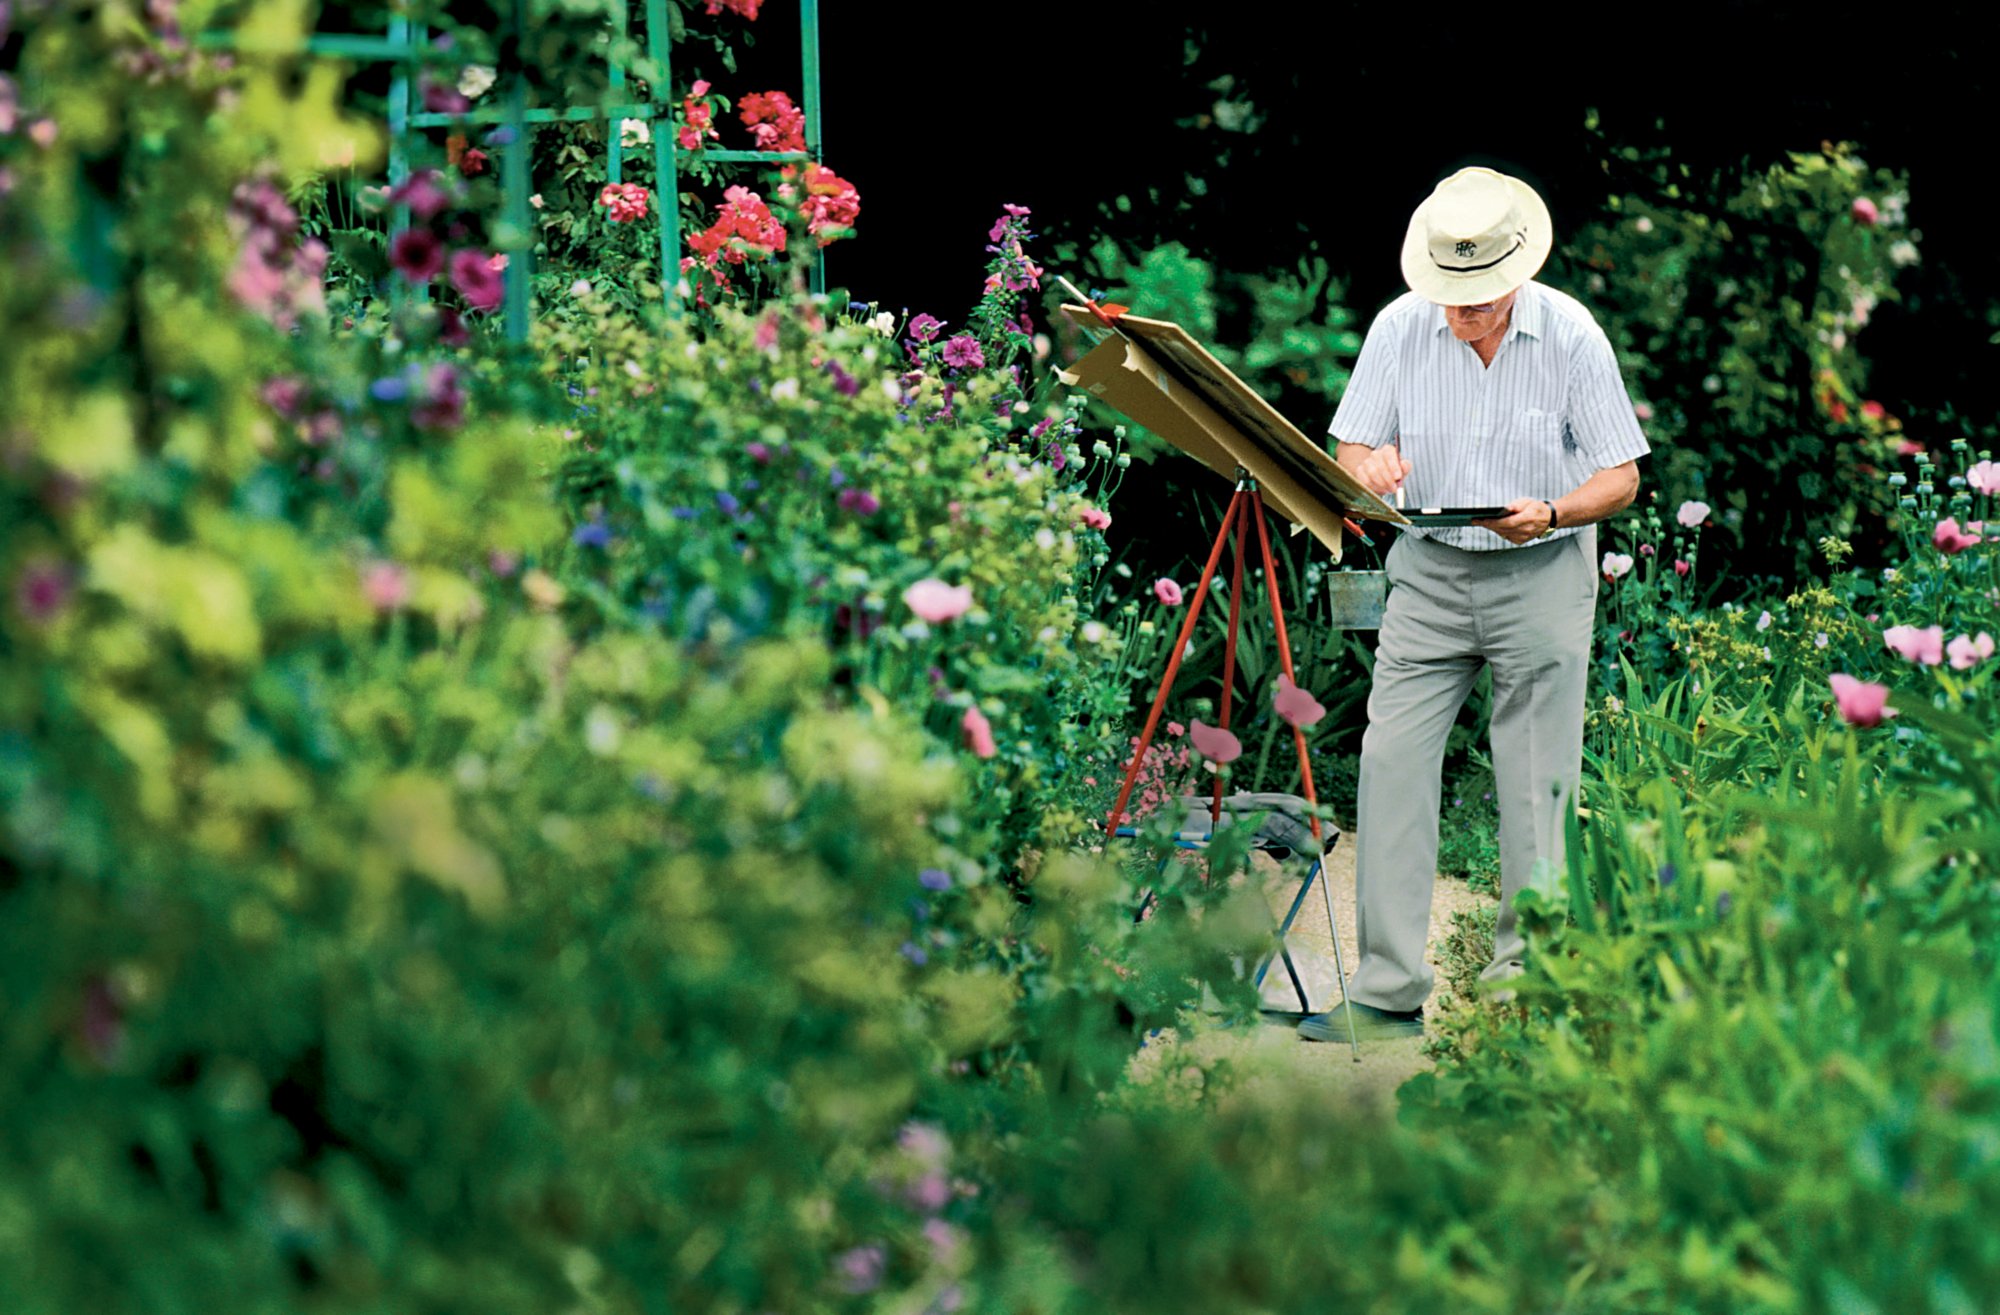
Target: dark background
<point>940,114</point>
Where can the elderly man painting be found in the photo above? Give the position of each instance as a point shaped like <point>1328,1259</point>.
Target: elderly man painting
<point>1482,388</point>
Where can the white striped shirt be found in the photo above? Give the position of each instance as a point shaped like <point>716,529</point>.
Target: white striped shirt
<point>1547,414</point>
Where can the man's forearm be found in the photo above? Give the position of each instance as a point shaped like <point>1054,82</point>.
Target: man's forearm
<point>1600,497</point>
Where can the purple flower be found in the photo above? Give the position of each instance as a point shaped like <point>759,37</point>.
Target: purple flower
<point>842,380</point>
<point>934,879</point>
<point>1667,875</point>
<point>758,452</point>
<point>727,501</point>
<point>963,353</point>
<point>417,255</point>
<point>925,327</point>
<point>472,273</point>
<point>593,533</point>
<point>42,590</point>
<point>420,193</point>
<point>915,954</point>
<point>390,388</point>
<point>859,501</point>
<point>861,1269</point>
<point>440,99</point>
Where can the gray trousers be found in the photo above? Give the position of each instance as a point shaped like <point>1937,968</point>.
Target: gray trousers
<point>1527,613</point>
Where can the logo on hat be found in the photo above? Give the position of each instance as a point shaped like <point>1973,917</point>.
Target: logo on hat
<point>1466,249</point>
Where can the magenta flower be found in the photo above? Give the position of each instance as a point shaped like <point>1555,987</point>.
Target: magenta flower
<point>1969,651</point>
<point>1865,211</point>
<point>283,395</point>
<point>1167,592</point>
<point>420,193</point>
<point>1681,567</point>
<point>1914,645</point>
<point>859,501</point>
<point>1984,478</point>
<point>1096,518</point>
<point>1861,703</point>
<point>472,273</point>
<point>1950,539</point>
<point>1692,514</point>
<point>1215,743</point>
<point>417,255</point>
<point>925,327</point>
<point>937,602</point>
<point>963,353</point>
<point>1295,705</point>
<point>861,1269</point>
<point>42,590</point>
<point>977,733</point>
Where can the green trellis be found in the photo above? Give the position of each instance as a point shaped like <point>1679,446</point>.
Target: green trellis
<point>402,46</point>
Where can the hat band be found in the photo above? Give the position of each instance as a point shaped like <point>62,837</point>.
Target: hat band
<point>1520,240</point>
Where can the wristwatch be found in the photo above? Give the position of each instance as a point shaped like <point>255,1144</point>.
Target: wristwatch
<point>1553,518</point>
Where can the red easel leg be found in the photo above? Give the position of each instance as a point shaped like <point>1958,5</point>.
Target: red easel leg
<point>1238,506</point>
<point>1229,650</point>
<point>1284,653</point>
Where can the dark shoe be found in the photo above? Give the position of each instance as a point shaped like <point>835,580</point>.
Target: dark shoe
<point>1370,1024</point>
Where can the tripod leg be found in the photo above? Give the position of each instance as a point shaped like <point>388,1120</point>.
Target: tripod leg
<point>1238,505</point>
<point>1229,656</point>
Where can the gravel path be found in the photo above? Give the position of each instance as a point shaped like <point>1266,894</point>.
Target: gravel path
<point>1270,1056</point>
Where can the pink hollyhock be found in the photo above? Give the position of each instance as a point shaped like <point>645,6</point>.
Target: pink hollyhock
<point>1215,743</point>
<point>937,602</point>
<point>1167,592</point>
<point>386,586</point>
<point>775,123</point>
<point>1861,703</point>
<point>1984,478</point>
<point>1692,514</point>
<point>420,193</point>
<point>978,733</point>
<point>925,327</point>
<point>1295,705</point>
<point>472,273</point>
<point>1865,211</point>
<point>451,327</point>
<point>1913,645</point>
<point>962,353</point>
<point>1968,651</point>
<point>1950,539</point>
<point>746,8</point>
<point>417,255</point>
<point>1095,518</point>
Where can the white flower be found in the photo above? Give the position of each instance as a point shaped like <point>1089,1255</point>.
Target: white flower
<point>891,389</point>
<point>1093,632</point>
<point>1902,252</point>
<point>884,323</point>
<point>1615,564</point>
<point>634,132</point>
<point>580,288</point>
<point>536,200</point>
<point>1763,621</point>
<point>1045,539</point>
<point>1692,514</point>
<point>1642,225</point>
<point>1819,640</point>
<point>474,81</point>
<point>785,390</point>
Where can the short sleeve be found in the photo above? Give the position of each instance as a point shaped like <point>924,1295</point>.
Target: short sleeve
<point>1367,410</point>
<point>1600,412</point>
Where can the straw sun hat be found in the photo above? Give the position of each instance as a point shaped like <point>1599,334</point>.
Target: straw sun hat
<point>1477,237</point>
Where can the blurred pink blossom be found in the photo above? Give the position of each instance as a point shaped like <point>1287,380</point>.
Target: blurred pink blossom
<point>1913,645</point>
<point>1692,514</point>
<point>1861,702</point>
<point>42,590</point>
<point>472,273</point>
<point>1969,651</point>
<point>1096,518</point>
<point>1167,592</point>
<point>1865,211</point>
<point>1681,567</point>
<point>1215,743</point>
<point>978,733</point>
<point>1616,564</point>
<point>936,602</point>
<point>1984,478</point>
<point>386,586</point>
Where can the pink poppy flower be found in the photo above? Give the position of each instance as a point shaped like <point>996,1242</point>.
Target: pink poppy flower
<point>1096,518</point>
<point>472,273</point>
<point>1692,514</point>
<point>1984,478</point>
<point>1913,645</point>
<point>1861,702</point>
<point>1681,567</point>
<point>1614,565</point>
<point>1865,211</point>
<point>1969,651</point>
<point>978,733</point>
<point>1167,592</point>
<point>1951,539</point>
<point>937,602</point>
<point>1295,705</point>
<point>1214,743</point>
